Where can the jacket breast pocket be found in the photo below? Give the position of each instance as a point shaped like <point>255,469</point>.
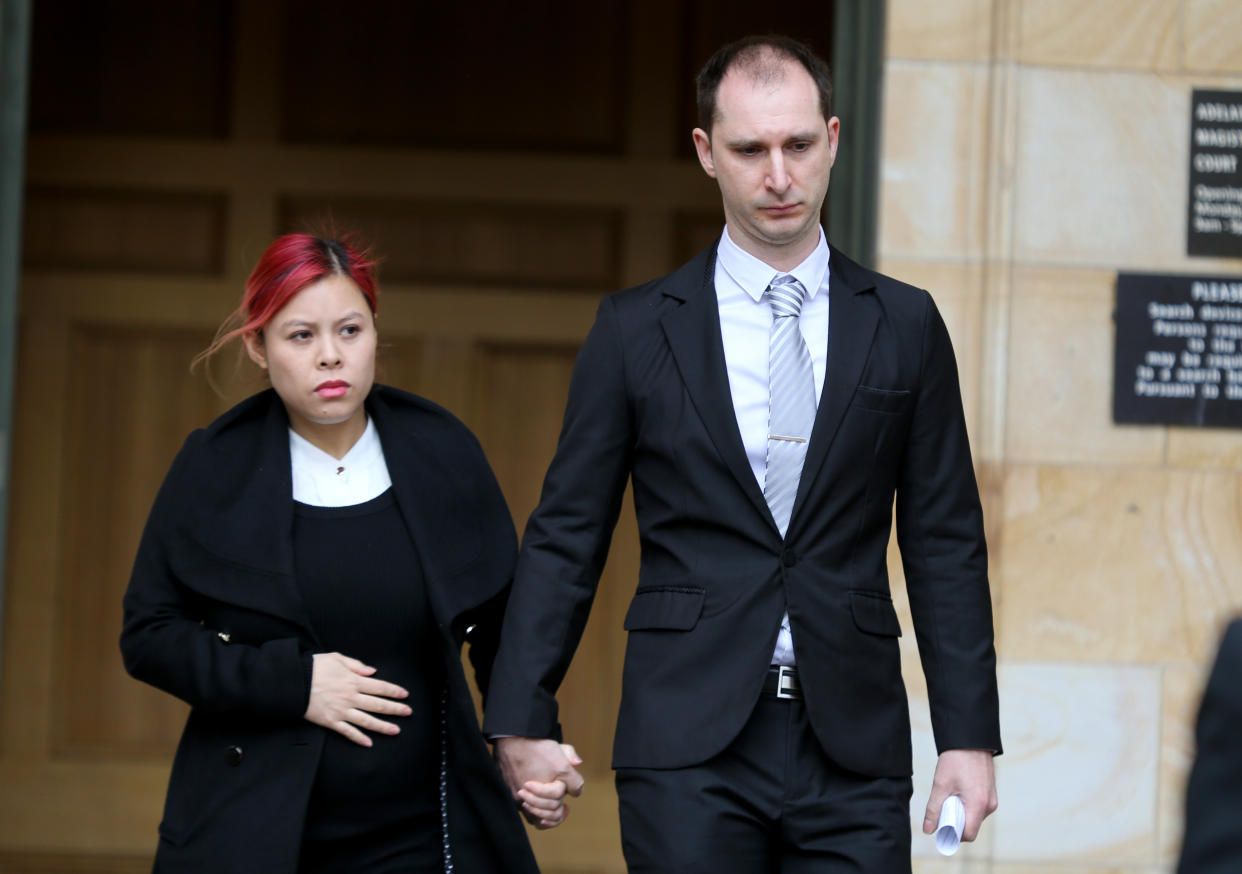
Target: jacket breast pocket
<point>667,608</point>
<point>874,613</point>
<point>881,400</point>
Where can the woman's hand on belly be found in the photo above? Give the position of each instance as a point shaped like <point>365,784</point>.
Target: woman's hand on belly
<point>345,693</point>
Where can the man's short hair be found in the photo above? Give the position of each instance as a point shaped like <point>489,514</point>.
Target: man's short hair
<point>761,58</point>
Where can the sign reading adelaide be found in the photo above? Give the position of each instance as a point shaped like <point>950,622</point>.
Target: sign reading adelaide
<point>1214,223</point>
<point>1178,355</point>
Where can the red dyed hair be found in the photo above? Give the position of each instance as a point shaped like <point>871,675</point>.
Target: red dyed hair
<point>290,264</point>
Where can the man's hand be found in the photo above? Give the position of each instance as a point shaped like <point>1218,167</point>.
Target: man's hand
<point>969,775</point>
<point>540,772</point>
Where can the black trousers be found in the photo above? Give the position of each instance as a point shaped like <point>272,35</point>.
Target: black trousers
<point>771,803</point>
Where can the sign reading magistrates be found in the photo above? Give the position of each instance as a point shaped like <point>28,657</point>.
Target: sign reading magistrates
<point>1178,355</point>
<point>1214,223</point>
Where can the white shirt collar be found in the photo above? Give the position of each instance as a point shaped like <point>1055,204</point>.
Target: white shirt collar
<point>755,276</point>
<point>324,481</point>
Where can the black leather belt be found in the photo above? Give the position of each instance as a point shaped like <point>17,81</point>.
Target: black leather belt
<point>782,682</point>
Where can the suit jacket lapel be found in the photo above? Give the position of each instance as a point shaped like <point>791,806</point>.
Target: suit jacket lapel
<point>693,332</point>
<point>852,320</point>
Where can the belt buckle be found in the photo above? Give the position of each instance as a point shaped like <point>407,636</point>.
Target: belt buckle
<point>787,684</point>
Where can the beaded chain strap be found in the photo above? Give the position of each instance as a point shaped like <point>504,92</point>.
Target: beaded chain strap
<point>444,824</point>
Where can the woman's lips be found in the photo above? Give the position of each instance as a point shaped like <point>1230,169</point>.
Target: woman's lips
<point>333,389</point>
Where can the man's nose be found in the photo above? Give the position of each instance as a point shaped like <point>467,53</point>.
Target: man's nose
<point>778,178</point>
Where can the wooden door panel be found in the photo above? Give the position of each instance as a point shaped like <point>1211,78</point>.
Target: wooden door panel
<point>76,863</point>
<point>130,400</point>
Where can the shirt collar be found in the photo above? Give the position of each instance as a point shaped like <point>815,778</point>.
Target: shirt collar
<point>308,458</point>
<point>755,276</point>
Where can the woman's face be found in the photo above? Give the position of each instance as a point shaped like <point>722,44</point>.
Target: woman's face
<point>319,351</point>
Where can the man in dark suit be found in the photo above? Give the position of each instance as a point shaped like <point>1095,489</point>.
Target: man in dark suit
<point>768,399</point>
<point>1213,840</point>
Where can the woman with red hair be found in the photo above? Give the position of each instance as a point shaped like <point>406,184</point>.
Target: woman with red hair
<point>311,568</point>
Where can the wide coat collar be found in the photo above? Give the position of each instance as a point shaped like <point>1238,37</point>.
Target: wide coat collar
<point>239,506</point>
<point>693,332</point>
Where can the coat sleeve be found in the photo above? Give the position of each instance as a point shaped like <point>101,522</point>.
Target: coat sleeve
<point>944,554</point>
<point>482,634</point>
<point>566,540</point>
<point>481,624</point>
<point>1213,840</point>
<point>164,641</point>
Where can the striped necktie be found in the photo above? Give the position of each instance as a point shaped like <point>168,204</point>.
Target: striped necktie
<point>791,401</point>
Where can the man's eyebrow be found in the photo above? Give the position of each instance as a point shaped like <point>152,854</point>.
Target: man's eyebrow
<point>752,143</point>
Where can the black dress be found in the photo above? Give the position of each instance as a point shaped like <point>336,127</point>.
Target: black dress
<point>373,809</point>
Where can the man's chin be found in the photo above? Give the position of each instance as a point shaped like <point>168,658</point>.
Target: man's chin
<point>784,232</point>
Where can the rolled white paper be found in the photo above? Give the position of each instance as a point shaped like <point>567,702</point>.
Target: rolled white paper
<point>952,821</point>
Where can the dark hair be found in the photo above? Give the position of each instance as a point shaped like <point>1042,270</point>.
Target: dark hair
<point>755,55</point>
<point>287,266</point>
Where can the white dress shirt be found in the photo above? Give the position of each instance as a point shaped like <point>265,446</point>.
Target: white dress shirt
<point>324,481</point>
<point>745,327</point>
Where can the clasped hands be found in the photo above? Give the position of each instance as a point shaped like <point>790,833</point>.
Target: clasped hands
<point>345,694</point>
<point>540,773</point>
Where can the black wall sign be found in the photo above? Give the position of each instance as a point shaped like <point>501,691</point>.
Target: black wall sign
<point>1178,355</point>
<point>1214,222</point>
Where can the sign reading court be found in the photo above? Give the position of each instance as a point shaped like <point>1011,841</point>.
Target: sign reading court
<point>1214,217</point>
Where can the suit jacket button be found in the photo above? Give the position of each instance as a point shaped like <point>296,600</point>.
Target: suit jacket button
<point>789,558</point>
<point>233,755</point>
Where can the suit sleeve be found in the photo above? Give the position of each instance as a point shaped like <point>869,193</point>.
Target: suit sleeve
<point>566,540</point>
<point>1213,840</point>
<point>164,642</point>
<point>944,554</point>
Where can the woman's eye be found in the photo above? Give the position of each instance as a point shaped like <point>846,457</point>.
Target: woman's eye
<point>300,335</point>
<point>350,330</point>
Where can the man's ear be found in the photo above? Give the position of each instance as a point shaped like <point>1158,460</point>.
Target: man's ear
<point>255,348</point>
<point>703,145</point>
<point>834,137</point>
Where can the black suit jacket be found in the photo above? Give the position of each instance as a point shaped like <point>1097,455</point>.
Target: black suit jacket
<point>213,615</point>
<point>1213,840</point>
<point>650,400</point>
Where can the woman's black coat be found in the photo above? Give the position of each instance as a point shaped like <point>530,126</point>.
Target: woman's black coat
<point>213,615</point>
